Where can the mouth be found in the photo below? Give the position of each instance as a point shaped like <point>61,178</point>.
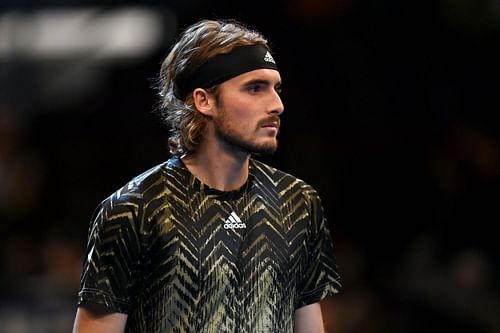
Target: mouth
<point>272,124</point>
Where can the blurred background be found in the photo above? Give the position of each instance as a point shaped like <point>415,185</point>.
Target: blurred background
<point>391,113</point>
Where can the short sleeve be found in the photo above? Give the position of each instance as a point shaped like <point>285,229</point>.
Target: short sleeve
<point>111,263</point>
<point>321,278</point>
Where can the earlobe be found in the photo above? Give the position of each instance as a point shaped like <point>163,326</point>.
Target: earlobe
<point>203,101</point>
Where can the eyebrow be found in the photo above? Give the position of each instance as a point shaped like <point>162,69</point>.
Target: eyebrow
<point>261,81</point>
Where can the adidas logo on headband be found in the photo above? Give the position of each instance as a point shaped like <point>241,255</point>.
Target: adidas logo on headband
<point>269,58</point>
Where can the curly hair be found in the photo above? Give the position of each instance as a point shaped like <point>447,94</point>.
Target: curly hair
<point>195,45</point>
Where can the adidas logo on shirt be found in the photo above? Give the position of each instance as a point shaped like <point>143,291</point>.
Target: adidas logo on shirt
<point>234,222</point>
<point>269,58</point>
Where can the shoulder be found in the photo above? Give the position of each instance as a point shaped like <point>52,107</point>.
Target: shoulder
<point>142,188</point>
<point>283,182</point>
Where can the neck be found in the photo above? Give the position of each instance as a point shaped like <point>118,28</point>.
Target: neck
<point>221,171</point>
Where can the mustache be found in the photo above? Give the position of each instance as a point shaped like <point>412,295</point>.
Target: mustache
<point>269,121</point>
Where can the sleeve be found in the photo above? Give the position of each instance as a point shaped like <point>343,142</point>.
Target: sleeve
<point>321,278</point>
<point>111,264</point>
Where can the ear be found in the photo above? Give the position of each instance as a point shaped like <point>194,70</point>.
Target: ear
<point>204,101</point>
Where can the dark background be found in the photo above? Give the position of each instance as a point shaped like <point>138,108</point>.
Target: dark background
<point>391,113</point>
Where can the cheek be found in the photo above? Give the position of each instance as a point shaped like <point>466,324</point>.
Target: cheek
<point>241,112</point>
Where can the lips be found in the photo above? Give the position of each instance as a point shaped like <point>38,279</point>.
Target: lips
<point>271,123</point>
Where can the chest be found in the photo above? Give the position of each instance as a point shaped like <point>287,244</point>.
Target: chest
<point>241,244</point>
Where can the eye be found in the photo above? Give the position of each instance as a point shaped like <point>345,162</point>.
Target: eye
<point>278,88</point>
<point>254,88</point>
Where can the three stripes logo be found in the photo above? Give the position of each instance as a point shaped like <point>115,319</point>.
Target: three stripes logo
<point>234,222</point>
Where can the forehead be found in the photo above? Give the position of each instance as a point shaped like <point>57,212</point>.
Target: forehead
<point>264,74</point>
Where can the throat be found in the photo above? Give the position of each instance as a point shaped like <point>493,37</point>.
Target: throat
<point>219,174</point>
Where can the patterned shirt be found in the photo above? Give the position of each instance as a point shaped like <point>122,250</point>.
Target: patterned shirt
<point>179,256</point>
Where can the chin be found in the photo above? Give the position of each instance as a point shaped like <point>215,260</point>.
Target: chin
<point>255,147</point>
<point>265,149</point>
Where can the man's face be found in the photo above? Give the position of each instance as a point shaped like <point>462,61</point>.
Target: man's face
<point>248,111</point>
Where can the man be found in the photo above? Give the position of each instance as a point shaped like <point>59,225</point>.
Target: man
<point>211,240</point>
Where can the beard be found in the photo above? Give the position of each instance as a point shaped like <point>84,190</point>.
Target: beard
<point>247,146</point>
<point>227,131</point>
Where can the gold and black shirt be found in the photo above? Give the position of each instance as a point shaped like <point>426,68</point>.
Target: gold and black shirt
<point>179,256</point>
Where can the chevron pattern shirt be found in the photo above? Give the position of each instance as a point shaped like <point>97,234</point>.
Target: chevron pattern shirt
<point>179,256</point>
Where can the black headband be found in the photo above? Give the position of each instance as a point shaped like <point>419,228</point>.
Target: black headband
<point>223,67</point>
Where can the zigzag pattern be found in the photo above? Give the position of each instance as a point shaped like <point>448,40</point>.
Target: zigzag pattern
<point>158,251</point>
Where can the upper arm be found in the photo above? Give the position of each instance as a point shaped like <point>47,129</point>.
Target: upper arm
<point>112,259</point>
<point>95,320</point>
<point>308,319</point>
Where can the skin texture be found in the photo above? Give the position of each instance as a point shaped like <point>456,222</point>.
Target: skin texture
<point>95,318</point>
<point>244,120</point>
<point>309,319</point>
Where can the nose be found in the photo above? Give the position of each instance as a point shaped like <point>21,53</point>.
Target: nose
<point>276,105</point>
